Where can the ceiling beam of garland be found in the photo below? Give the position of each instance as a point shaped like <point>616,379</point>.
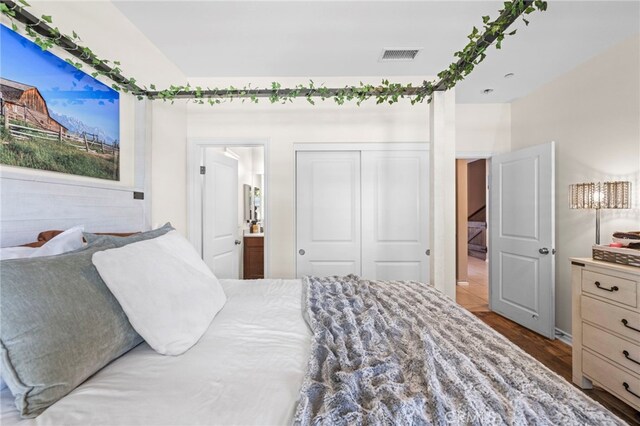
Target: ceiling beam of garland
<point>493,31</point>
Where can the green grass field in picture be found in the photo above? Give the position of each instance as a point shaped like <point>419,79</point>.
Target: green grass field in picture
<point>43,154</point>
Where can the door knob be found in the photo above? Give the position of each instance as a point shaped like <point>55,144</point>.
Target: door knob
<point>238,242</point>
<point>544,250</point>
<point>301,252</point>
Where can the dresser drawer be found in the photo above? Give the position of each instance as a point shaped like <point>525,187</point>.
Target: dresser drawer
<point>610,287</point>
<point>612,378</point>
<point>611,317</point>
<point>616,349</point>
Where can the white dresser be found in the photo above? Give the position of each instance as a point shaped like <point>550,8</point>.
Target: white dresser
<point>606,327</point>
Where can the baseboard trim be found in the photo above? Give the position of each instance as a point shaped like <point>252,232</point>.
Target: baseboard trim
<point>564,337</point>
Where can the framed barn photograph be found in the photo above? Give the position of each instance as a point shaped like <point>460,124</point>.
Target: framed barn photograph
<point>55,117</point>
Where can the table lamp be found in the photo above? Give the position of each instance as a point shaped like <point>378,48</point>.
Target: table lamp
<point>600,195</point>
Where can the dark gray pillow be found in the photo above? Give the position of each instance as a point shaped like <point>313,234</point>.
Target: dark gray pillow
<point>60,325</point>
<point>123,241</point>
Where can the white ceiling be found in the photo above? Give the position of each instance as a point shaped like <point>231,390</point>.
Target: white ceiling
<point>346,38</point>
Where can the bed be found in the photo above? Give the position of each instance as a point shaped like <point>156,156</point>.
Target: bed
<point>321,350</point>
<point>246,370</point>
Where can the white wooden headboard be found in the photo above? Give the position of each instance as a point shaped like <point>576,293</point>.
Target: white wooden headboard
<point>29,207</point>
<point>30,203</point>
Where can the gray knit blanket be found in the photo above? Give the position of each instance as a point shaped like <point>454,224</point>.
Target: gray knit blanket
<point>401,353</point>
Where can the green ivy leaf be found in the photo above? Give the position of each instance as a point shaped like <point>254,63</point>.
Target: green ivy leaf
<point>541,5</point>
<point>46,18</point>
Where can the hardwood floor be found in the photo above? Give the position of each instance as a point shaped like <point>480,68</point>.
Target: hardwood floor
<point>554,354</point>
<point>557,357</point>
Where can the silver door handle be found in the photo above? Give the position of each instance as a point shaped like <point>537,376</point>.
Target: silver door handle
<point>544,250</point>
<point>301,252</point>
<point>238,242</point>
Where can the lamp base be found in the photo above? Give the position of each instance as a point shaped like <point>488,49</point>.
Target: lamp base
<point>598,226</point>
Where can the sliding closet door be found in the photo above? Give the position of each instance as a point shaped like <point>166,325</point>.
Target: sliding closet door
<point>395,219</point>
<point>328,213</point>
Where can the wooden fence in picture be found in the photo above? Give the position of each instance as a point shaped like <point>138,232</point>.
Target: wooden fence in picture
<point>88,142</point>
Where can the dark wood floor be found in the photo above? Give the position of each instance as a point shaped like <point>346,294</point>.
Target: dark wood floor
<point>557,357</point>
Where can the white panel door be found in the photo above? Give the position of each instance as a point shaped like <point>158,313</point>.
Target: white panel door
<point>522,238</point>
<point>327,213</point>
<point>395,219</point>
<point>220,242</point>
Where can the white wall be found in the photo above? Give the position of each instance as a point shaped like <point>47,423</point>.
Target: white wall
<point>95,23</point>
<point>483,129</point>
<point>593,114</point>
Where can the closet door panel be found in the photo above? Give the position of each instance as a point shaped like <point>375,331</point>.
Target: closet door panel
<point>395,220</point>
<point>328,213</point>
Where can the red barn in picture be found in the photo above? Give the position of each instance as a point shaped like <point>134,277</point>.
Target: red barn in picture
<point>25,103</point>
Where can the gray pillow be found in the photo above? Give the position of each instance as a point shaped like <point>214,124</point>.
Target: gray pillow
<point>123,241</point>
<point>60,325</point>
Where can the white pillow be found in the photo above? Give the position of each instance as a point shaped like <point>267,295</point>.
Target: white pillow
<point>69,240</point>
<point>17,252</point>
<point>168,293</point>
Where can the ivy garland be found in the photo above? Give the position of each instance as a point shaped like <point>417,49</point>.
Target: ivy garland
<point>468,58</point>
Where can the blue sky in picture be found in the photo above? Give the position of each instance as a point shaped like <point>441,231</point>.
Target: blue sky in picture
<point>68,91</point>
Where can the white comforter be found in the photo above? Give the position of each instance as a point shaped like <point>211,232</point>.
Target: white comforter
<point>246,369</point>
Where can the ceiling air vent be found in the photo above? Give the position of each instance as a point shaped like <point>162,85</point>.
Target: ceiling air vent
<point>392,55</point>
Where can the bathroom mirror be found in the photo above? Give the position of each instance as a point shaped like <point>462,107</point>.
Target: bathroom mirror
<point>248,202</point>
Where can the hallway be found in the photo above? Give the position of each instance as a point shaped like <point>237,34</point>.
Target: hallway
<point>475,296</point>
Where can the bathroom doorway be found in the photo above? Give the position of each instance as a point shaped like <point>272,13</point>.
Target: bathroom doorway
<point>228,212</point>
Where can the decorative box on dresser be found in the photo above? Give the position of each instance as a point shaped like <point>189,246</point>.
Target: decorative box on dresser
<point>606,327</point>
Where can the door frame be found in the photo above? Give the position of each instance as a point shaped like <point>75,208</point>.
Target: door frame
<point>343,146</point>
<point>195,157</point>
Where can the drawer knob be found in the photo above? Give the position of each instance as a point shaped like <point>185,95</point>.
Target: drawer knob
<point>612,289</point>
<point>626,387</point>
<point>627,356</point>
<point>626,324</point>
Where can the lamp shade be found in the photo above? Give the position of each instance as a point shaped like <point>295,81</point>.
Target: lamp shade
<point>600,195</point>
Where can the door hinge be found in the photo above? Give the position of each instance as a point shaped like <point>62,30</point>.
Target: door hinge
<point>203,170</point>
